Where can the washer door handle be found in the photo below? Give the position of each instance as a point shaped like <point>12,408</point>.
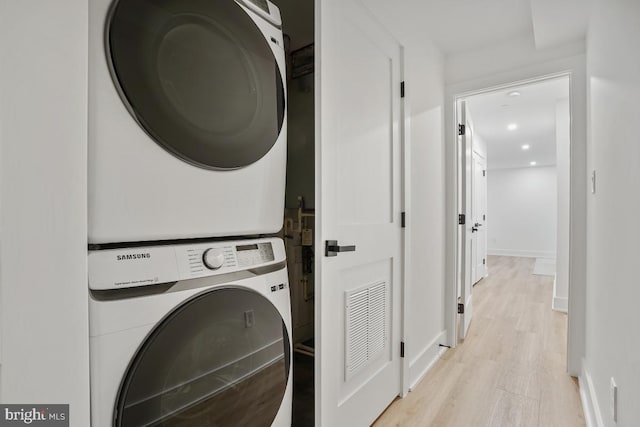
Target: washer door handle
<point>331,248</point>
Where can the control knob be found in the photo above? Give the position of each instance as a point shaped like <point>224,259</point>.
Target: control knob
<point>213,258</point>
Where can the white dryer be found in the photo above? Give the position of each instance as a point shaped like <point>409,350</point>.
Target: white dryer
<point>191,335</point>
<point>187,119</point>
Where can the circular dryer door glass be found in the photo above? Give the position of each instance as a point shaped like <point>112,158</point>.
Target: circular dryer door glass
<point>220,359</point>
<point>199,77</point>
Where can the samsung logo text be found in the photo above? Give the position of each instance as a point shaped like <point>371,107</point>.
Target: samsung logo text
<point>128,257</point>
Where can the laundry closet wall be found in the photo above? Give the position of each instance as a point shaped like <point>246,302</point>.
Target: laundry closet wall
<point>43,230</point>
<point>425,189</point>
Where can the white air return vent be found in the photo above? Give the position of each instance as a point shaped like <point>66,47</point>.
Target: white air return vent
<point>366,311</point>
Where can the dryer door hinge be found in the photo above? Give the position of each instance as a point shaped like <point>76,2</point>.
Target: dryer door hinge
<point>462,220</point>
<point>462,129</point>
<point>401,348</point>
<point>403,220</point>
<point>401,89</point>
<point>460,308</point>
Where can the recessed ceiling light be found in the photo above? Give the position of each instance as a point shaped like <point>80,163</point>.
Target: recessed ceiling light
<point>533,163</point>
<point>512,126</point>
<point>513,93</point>
<point>526,146</point>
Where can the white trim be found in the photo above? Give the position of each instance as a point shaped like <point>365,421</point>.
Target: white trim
<point>572,65</point>
<point>407,232</point>
<point>424,361</point>
<point>521,253</point>
<point>592,414</point>
<point>560,304</point>
<point>468,313</point>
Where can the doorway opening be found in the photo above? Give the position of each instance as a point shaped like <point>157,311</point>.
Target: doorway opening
<point>299,227</point>
<point>513,187</point>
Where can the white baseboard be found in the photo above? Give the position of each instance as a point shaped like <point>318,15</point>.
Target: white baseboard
<point>521,253</point>
<point>592,414</point>
<point>426,358</point>
<point>560,304</point>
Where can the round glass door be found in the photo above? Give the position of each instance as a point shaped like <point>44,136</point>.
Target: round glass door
<point>220,359</point>
<point>199,77</point>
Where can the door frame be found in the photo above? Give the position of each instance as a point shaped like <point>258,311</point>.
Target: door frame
<point>575,70</point>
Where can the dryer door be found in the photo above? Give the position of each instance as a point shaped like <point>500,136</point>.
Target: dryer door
<point>220,359</point>
<point>199,77</point>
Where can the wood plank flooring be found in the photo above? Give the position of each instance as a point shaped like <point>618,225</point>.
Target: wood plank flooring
<point>510,370</point>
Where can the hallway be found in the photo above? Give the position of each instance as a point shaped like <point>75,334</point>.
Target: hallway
<point>510,370</point>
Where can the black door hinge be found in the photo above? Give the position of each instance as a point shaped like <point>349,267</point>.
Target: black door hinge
<point>460,308</point>
<point>484,261</point>
<point>401,348</point>
<point>462,219</point>
<point>401,89</point>
<point>403,220</point>
<point>484,217</point>
<point>462,129</point>
<point>484,173</point>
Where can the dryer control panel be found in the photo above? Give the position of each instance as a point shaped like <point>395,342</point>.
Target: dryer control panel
<point>150,265</point>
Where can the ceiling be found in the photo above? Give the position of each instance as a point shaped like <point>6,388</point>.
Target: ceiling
<point>534,111</point>
<point>456,26</point>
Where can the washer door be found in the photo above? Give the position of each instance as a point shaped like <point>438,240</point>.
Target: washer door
<point>199,77</point>
<point>220,359</point>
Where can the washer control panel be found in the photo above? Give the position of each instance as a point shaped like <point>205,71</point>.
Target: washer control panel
<point>229,256</point>
<point>213,258</point>
<point>142,266</point>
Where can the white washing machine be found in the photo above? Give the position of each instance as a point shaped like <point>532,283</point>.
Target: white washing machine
<point>187,119</point>
<point>191,335</point>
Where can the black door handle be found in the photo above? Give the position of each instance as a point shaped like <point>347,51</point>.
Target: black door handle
<point>474,229</point>
<point>331,248</point>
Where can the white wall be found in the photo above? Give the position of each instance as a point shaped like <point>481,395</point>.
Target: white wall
<point>43,281</point>
<point>425,190</point>
<point>522,211</point>
<point>425,232</point>
<point>563,164</point>
<point>613,343</point>
<point>471,72</point>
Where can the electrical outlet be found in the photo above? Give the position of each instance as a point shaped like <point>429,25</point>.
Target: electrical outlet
<point>613,400</point>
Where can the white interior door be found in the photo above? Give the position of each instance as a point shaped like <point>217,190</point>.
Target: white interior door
<point>358,173</point>
<point>465,234</point>
<point>478,212</point>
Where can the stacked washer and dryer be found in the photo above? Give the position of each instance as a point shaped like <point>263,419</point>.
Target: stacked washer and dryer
<point>189,305</point>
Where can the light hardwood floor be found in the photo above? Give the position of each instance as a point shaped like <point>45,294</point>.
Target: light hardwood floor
<point>510,370</point>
